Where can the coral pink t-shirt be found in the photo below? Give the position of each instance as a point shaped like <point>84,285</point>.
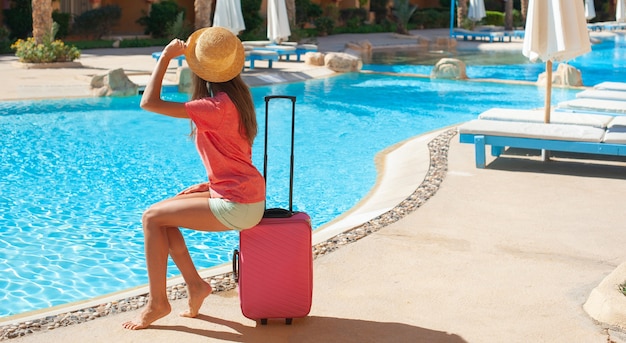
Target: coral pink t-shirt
<point>225,151</point>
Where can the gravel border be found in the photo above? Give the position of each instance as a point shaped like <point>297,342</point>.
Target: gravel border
<point>438,149</point>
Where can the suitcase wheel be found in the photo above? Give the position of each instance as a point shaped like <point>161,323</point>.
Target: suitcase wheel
<point>288,321</point>
<point>264,321</point>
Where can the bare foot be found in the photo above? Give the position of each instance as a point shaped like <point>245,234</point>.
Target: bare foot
<point>197,294</point>
<point>148,316</point>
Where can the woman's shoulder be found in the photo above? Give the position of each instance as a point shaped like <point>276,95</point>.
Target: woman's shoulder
<point>218,98</point>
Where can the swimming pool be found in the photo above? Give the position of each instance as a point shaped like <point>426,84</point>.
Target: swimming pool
<point>606,62</point>
<point>75,175</point>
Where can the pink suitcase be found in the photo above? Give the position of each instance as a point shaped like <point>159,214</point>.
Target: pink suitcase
<point>274,263</point>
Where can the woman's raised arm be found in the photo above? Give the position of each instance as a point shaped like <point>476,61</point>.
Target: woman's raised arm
<point>151,99</point>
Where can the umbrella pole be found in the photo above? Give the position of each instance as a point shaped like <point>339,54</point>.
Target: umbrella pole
<point>545,155</point>
<point>548,100</point>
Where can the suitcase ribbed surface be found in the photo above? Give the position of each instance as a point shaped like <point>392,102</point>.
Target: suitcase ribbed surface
<point>276,272</point>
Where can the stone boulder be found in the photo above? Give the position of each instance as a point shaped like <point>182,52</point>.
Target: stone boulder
<point>564,75</point>
<point>364,46</point>
<point>185,82</point>
<point>449,68</point>
<point>444,43</point>
<point>113,83</point>
<point>342,62</point>
<point>314,58</point>
<point>360,49</point>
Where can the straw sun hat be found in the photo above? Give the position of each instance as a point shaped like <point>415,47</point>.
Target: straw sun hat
<point>215,54</point>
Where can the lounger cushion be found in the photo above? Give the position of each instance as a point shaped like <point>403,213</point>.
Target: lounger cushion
<point>617,124</point>
<point>307,46</point>
<point>256,42</point>
<point>277,48</point>
<point>537,116</point>
<point>261,53</point>
<point>562,132</point>
<point>608,85</point>
<point>594,105</point>
<point>618,137</point>
<point>605,94</point>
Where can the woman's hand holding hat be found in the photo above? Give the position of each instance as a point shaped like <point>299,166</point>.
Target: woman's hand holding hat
<point>174,48</point>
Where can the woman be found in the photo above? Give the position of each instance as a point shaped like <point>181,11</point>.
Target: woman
<point>224,126</point>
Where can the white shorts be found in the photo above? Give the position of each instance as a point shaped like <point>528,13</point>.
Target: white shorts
<point>235,215</point>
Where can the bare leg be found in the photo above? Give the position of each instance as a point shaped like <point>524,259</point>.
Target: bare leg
<point>197,288</point>
<point>160,224</point>
<point>156,250</point>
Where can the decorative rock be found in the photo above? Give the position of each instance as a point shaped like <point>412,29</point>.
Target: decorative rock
<point>314,58</point>
<point>565,75</point>
<point>449,68</point>
<point>113,83</point>
<point>445,43</point>
<point>183,74</point>
<point>342,62</point>
<point>364,46</point>
<point>423,42</point>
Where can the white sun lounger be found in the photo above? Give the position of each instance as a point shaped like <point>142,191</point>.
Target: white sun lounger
<point>281,50</point>
<point>605,94</point>
<point>588,105</point>
<point>260,55</point>
<point>483,35</point>
<point>610,85</point>
<point>500,134</point>
<point>537,116</point>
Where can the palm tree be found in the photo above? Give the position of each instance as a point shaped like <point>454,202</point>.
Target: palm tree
<point>508,15</point>
<point>42,20</point>
<point>461,12</point>
<point>203,13</point>
<point>524,9</point>
<point>402,12</point>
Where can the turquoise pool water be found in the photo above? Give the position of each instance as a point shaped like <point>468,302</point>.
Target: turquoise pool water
<point>606,62</point>
<point>75,175</point>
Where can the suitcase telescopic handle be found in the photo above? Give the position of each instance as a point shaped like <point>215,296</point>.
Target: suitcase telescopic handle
<point>293,129</point>
<point>236,265</point>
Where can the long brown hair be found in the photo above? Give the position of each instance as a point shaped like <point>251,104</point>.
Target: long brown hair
<point>239,92</point>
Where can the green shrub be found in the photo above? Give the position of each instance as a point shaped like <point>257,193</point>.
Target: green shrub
<point>353,17</point>
<point>178,28</point>
<point>63,19</point>
<point>251,17</point>
<point>5,41</point>
<point>430,18</point>
<point>19,19</point>
<point>126,43</point>
<point>518,21</point>
<point>142,43</point>
<point>162,14</point>
<point>374,28</point>
<point>49,51</point>
<point>324,25</point>
<point>379,7</point>
<point>98,22</point>
<point>307,12</point>
<point>494,18</point>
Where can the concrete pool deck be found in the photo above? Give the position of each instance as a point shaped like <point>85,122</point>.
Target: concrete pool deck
<point>507,253</point>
